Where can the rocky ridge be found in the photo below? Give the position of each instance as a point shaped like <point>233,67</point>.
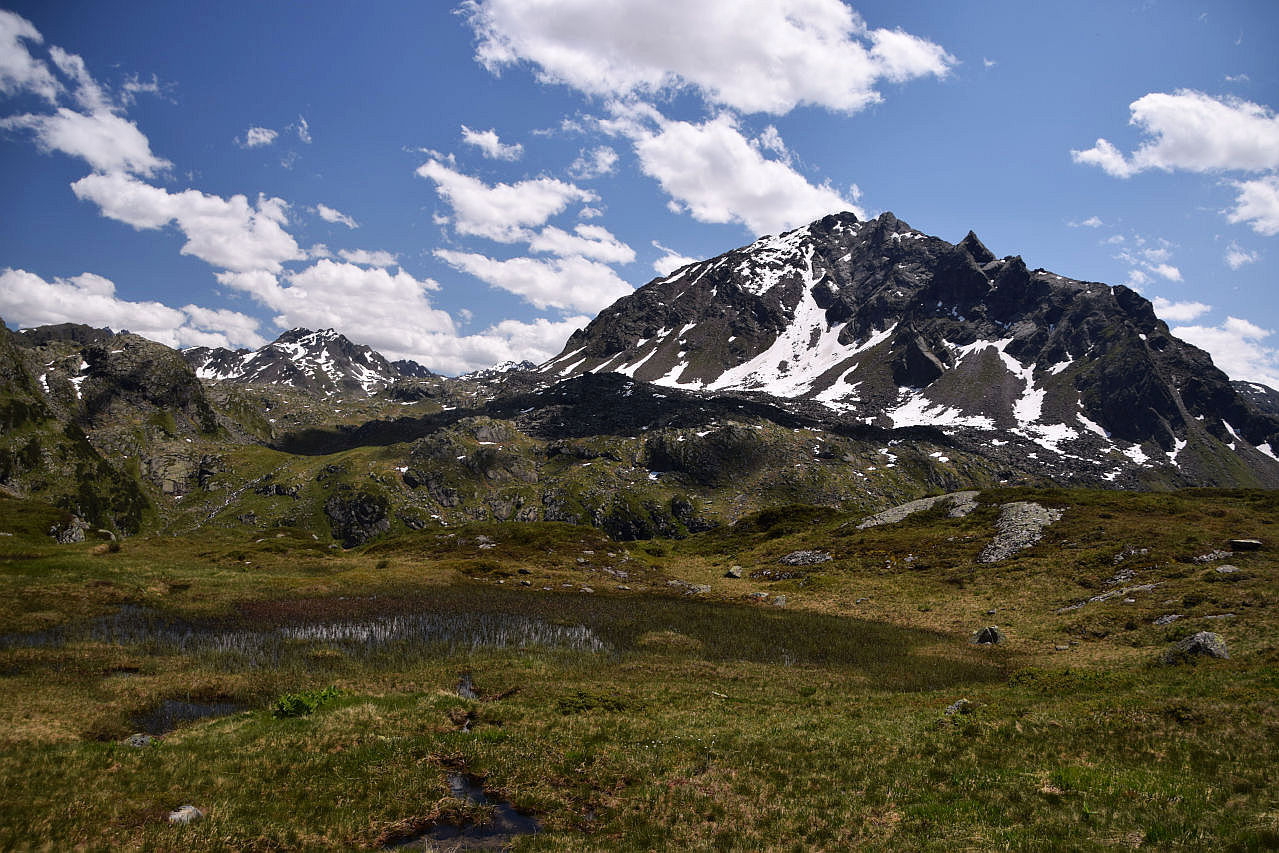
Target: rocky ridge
<point>887,325</point>
<point>322,361</point>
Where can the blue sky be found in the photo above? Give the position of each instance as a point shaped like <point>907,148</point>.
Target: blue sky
<point>462,183</point>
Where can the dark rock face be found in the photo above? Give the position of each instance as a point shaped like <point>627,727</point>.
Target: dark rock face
<point>1202,644</point>
<point>73,332</point>
<point>890,326</point>
<point>357,517</point>
<point>411,369</point>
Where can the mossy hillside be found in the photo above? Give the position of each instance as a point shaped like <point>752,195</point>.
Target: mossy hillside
<point>652,485</point>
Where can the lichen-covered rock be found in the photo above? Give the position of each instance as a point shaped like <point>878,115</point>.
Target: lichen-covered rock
<point>1202,644</point>
<point>1021,524</point>
<point>805,558</point>
<point>357,517</point>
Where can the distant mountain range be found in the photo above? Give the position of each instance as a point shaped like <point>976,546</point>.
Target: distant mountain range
<point>322,361</point>
<point>844,363</point>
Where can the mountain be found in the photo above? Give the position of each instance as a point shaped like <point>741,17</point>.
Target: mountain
<point>1263,398</point>
<point>498,371</point>
<point>411,369</point>
<point>886,325</point>
<point>321,361</point>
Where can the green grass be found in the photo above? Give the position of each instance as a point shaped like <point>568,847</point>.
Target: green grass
<point>710,721</point>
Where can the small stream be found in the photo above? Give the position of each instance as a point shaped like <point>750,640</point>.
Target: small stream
<point>495,834</point>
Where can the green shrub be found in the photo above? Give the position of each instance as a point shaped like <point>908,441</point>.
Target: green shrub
<point>303,703</point>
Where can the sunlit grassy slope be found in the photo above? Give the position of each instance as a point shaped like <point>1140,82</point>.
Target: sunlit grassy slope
<point>634,697</point>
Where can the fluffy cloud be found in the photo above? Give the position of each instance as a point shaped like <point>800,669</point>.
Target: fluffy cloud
<point>1258,205</point>
<point>1179,312</point>
<point>588,241</point>
<point>1237,256</point>
<point>1090,222</point>
<point>393,314</point>
<point>228,233</point>
<point>1149,261</point>
<point>106,141</point>
<point>366,258</point>
<point>256,137</point>
<point>595,163</point>
<point>19,70</point>
<point>370,304</point>
<point>751,55</point>
<point>1195,132</point>
<point>87,298</point>
<point>500,212</point>
<point>1236,347</point>
<point>490,145</point>
<point>573,283</point>
<point>712,171</point>
<point>337,217</point>
<point>670,260</point>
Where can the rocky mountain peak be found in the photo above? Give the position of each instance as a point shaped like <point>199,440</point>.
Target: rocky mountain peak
<point>893,327</point>
<point>322,361</point>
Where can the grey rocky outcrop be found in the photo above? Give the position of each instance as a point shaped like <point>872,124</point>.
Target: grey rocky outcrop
<point>1021,524</point>
<point>961,503</point>
<point>1202,644</point>
<point>805,558</point>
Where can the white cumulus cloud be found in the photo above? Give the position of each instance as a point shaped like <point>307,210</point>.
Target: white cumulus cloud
<point>368,258</point>
<point>29,300</point>
<point>1258,205</point>
<point>1237,256</point>
<point>588,241</point>
<point>572,283</point>
<point>750,55</point>
<point>595,163</point>
<point>715,174</point>
<point>19,70</point>
<point>670,260</point>
<point>106,141</point>
<point>490,145</point>
<point>500,212</point>
<point>257,137</point>
<point>329,214</point>
<point>229,233</point>
<point>1236,347</point>
<point>1179,312</point>
<point>1195,132</point>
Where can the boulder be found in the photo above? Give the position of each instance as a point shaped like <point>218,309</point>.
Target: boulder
<point>184,815</point>
<point>1245,544</point>
<point>1202,644</point>
<point>988,636</point>
<point>734,572</point>
<point>65,533</point>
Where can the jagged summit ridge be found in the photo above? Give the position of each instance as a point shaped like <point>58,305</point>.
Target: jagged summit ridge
<point>894,327</point>
<point>321,360</point>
